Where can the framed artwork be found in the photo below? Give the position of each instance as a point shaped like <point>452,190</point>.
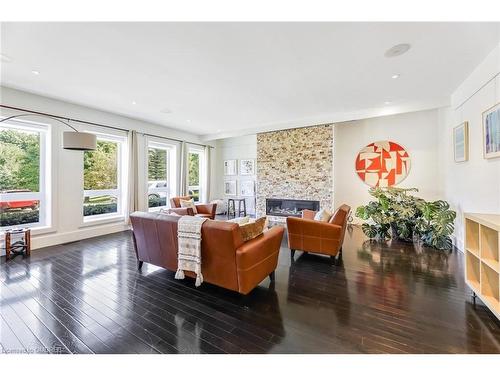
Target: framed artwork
<point>230,168</point>
<point>230,187</point>
<point>461,142</point>
<point>247,167</point>
<point>491,132</point>
<point>382,164</point>
<point>247,188</point>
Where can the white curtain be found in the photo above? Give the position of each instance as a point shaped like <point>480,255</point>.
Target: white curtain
<point>133,172</point>
<point>184,171</point>
<point>208,173</point>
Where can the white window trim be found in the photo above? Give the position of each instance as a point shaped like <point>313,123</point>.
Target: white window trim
<point>172,149</point>
<point>44,195</point>
<point>121,190</point>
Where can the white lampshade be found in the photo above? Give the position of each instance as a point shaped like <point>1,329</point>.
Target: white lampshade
<point>79,141</point>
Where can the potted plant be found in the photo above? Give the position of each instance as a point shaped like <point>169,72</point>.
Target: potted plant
<point>395,213</point>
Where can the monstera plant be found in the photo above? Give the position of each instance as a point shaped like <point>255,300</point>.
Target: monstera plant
<point>396,213</point>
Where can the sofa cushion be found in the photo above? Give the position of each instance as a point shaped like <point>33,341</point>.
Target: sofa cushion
<point>204,215</point>
<point>240,220</point>
<point>323,215</point>
<point>188,204</point>
<point>252,229</point>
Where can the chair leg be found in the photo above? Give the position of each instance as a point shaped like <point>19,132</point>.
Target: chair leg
<point>337,260</point>
<point>139,265</point>
<point>292,253</point>
<point>272,276</point>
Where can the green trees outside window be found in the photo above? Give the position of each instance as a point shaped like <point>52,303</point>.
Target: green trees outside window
<point>158,159</point>
<point>157,164</point>
<point>19,174</point>
<point>19,160</point>
<point>100,167</point>
<point>100,172</point>
<point>194,175</point>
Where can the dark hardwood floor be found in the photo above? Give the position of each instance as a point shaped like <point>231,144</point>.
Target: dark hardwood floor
<point>88,297</point>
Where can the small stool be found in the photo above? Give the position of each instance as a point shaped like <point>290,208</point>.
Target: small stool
<point>231,207</point>
<point>20,247</point>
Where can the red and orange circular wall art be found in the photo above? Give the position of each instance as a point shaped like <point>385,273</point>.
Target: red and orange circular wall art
<point>383,164</point>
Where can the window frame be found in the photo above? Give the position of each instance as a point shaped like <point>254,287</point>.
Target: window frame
<point>200,151</point>
<point>44,194</point>
<point>172,150</point>
<point>121,179</point>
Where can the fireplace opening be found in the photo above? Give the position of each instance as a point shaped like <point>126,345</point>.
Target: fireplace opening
<point>289,207</point>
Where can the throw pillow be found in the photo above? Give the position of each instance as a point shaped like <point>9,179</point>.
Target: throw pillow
<point>252,230</point>
<point>188,204</point>
<point>323,215</point>
<point>240,220</point>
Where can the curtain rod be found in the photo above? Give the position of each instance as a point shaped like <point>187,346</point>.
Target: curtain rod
<point>96,124</point>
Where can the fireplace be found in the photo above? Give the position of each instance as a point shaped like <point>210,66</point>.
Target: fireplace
<point>289,207</point>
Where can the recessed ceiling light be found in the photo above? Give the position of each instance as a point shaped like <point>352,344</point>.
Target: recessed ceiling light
<point>397,50</point>
<point>35,72</point>
<point>5,58</point>
<point>166,110</point>
<point>395,76</point>
<point>134,102</point>
<point>188,120</point>
<point>219,130</point>
<point>387,103</point>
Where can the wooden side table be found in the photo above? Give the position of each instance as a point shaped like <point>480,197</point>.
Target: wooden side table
<point>20,247</point>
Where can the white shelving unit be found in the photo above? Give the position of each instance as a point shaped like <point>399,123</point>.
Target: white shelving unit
<point>482,255</point>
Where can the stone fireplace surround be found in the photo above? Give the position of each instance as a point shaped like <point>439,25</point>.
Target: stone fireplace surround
<point>295,164</point>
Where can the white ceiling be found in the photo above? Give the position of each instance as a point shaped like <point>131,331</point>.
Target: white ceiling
<point>222,79</point>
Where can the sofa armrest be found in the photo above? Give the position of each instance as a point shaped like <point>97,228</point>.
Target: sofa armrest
<point>184,211</point>
<point>259,248</point>
<point>308,214</point>
<point>313,228</point>
<point>209,209</point>
<point>258,258</point>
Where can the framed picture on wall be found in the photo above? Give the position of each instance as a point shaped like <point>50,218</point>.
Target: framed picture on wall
<point>247,167</point>
<point>230,187</point>
<point>247,188</point>
<point>230,167</point>
<point>461,142</point>
<point>491,132</point>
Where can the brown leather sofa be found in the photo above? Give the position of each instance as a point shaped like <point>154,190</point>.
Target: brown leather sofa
<point>227,261</point>
<point>203,210</point>
<point>313,236</point>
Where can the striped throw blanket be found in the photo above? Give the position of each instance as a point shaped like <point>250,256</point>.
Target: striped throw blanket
<point>189,252</point>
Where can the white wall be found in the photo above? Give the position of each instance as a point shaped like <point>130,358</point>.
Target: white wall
<point>472,186</point>
<point>416,131</point>
<point>244,147</point>
<point>67,191</point>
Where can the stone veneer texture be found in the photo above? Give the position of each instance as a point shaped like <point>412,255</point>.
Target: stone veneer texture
<point>295,164</point>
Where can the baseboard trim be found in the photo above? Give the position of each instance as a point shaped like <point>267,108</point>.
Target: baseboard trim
<point>39,242</point>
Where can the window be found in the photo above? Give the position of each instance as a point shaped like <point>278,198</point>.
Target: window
<point>104,179</point>
<point>24,175</point>
<point>195,173</point>
<point>161,174</point>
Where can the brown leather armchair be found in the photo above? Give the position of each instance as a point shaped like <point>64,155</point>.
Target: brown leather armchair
<point>226,260</point>
<point>203,210</point>
<point>313,236</point>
